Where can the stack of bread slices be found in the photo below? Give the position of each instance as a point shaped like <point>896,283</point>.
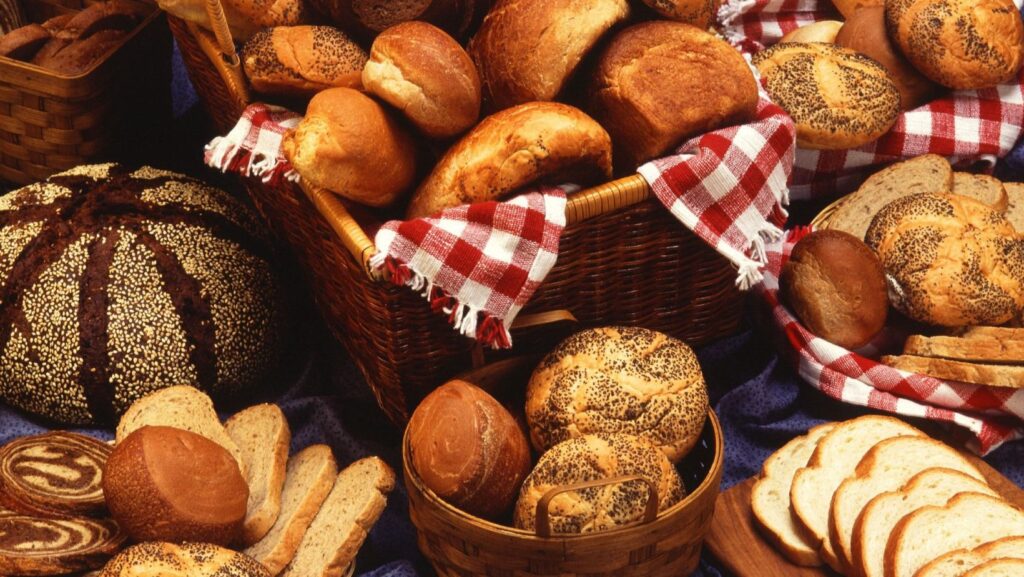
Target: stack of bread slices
<point>875,497</point>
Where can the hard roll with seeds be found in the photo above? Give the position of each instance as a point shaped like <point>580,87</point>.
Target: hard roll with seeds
<point>117,283</point>
<point>302,60</point>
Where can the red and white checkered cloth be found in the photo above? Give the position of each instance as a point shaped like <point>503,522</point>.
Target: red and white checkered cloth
<point>970,127</point>
<point>991,414</point>
<point>253,147</point>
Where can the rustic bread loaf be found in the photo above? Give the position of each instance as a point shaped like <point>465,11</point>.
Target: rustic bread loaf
<point>39,546</point>
<point>186,560</point>
<point>848,8</point>
<point>77,57</point>
<point>263,437</point>
<point>820,31</point>
<point>367,18</point>
<point>981,187</point>
<point>302,60</point>
<point>957,563</point>
<point>23,43</point>
<point>978,348</point>
<point>1011,376</point>
<point>55,474</point>
<point>699,13</point>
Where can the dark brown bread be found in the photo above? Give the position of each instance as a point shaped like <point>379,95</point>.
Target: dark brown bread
<point>367,18</point>
<point>78,56</point>
<point>700,13</point>
<point>24,42</point>
<point>56,474</point>
<point>37,546</point>
<point>80,41</point>
<point>302,60</point>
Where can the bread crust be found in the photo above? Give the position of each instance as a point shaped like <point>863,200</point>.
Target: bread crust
<point>850,7</point>
<point>266,465</point>
<point>699,13</point>
<point>820,31</point>
<point>187,560</point>
<point>302,60</point>
<point>22,43</point>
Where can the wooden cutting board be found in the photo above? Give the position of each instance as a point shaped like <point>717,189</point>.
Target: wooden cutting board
<point>737,543</point>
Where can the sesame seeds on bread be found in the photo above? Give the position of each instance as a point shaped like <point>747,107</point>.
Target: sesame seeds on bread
<point>302,60</point>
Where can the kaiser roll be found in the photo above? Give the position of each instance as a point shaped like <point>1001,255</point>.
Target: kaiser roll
<point>951,260</point>
<point>850,7</point>
<point>864,32</point>
<point>537,141</point>
<point>302,60</point>
<point>350,145</point>
<point>592,458</point>
<point>653,89</point>
<point>838,98</point>
<point>700,13</point>
<point>468,449</point>
<point>423,72</point>
<point>526,50</point>
<point>821,31</point>
<point>836,286</point>
<point>623,380</point>
<point>167,484</point>
<point>962,44</point>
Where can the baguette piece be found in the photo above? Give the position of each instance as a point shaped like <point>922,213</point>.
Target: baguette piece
<point>998,568</point>
<point>967,520</point>
<point>977,348</point>
<point>979,374</point>
<point>770,497</point>
<point>835,458</point>
<point>956,563</point>
<point>982,187</point>
<point>346,517</point>
<point>262,434</point>
<point>310,475</point>
<point>1015,204</point>
<point>926,173</point>
<point>930,487</point>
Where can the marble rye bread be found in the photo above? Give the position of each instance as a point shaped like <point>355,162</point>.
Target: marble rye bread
<point>38,546</point>
<point>55,474</point>
<point>116,283</point>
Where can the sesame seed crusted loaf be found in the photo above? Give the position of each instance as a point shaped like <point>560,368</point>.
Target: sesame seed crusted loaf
<point>116,283</point>
<point>185,560</point>
<point>618,380</point>
<point>302,60</point>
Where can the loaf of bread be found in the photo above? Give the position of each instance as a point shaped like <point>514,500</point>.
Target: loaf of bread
<point>351,145</point>
<point>79,42</point>
<point>848,8</point>
<point>1015,204</point>
<point>39,546</point>
<point>981,187</point>
<point>55,474</point>
<point>166,484</point>
<point>23,43</point>
<point>526,50</point>
<point>974,348</point>
<point>957,563</point>
<point>244,17</point>
<point>423,72</point>
<point>995,375</point>
<point>820,31</point>
<point>302,60</point>
<point>468,449</point>
<point>699,13</point>
<point>185,560</point>
<point>367,18</point>
<point>520,146</point>
<point>651,90</point>
<point>263,437</point>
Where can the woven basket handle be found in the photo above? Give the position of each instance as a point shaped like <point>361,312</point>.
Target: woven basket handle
<point>544,520</point>
<point>220,50</point>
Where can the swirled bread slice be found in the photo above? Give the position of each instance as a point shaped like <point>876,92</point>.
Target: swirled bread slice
<point>770,497</point>
<point>998,568</point>
<point>957,563</point>
<point>835,459</point>
<point>966,521</point>
<point>982,187</point>
<point>38,546</point>
<point>886,467</point>
<point>262,434</point>
<point>930,487</point>
<point>55,474</point>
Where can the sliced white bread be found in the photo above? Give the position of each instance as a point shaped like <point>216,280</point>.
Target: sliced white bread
<point>930,487</point>
<point>886,467</point>
<point>262,434</point>
<point>346,517</point>
<point>982,187</point>
<point>978,348</point>
<point>181,407</point>
<point>959,562</point>
<point>966,521</point>
<point>835,459</point>
<point>998,568</point>
<point>311,474</point>
<point>1015,207</point>
<point>770,497</point>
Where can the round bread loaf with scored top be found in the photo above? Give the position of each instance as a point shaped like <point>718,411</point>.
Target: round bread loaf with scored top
<point>618,380</point>
<point>116,283</point>
<point>591,458</point>
<point>950,260</point>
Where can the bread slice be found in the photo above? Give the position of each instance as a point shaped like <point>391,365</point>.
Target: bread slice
<point>346,517</point>
<point>979,348</point>
<point>966,521</point>
<point>1015,205</point>
<point>926,173</point>
<point>770,497</point>
<point>930,487</point>
<point>181,407</point>
<point>982,187</point>
<point>834,459</point>
<point>310,476</point>
<point>998,568</point>
<point>1007,333</point>
<point>977,373</point>
<point>262,434</point>
<point>886,467</point>
<point>959,562</point>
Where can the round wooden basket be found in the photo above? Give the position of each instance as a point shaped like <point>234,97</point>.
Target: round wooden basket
<point>824,218</point>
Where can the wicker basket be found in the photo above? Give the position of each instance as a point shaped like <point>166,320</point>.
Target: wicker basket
<point>51,122</point>
<point>623,260</point>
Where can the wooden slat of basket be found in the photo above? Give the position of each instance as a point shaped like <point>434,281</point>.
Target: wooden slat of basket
<point>824,218</point>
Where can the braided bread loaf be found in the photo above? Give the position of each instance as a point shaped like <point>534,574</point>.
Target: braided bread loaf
<point>187,560</point>
<point>38,546</point>
<point>56,474</point>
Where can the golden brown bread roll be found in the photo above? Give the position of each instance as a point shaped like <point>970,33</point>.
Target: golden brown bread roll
<point>962,44</point>
<point>302,60</point>
<point>837,97</point>
<point>700,13</point>
<point>526,50</point>
<point>652,89</point>
<point>850,7</point>
<point>186,560</point>
<point>537,141</point>
<point>822,31</point>
<point>350,145</point>
<point>423,72</point>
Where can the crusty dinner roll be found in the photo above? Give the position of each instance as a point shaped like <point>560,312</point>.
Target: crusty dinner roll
<point>302,60</point>
<point>537,141</point>
<point>591,458</point>
<point>850,7</point>
<point>836,286</point>
<point>837,97</point>
<point>950,260</point>
<point>621,380</point>
<point>700,13</point>
<point>526,50</point>
<point>245,17</point>
<point>821,31</point>
<point>658,83</point>
<point>422,71</point>
<point>350,145</point>
<point>961,44</point>
<point>864,32</point>
<point>469,449</point>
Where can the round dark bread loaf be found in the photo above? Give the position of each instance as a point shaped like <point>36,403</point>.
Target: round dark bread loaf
<point>55,474</point>
<point>117,283</point>
<point>185,560</point>
<point>700,13</point>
